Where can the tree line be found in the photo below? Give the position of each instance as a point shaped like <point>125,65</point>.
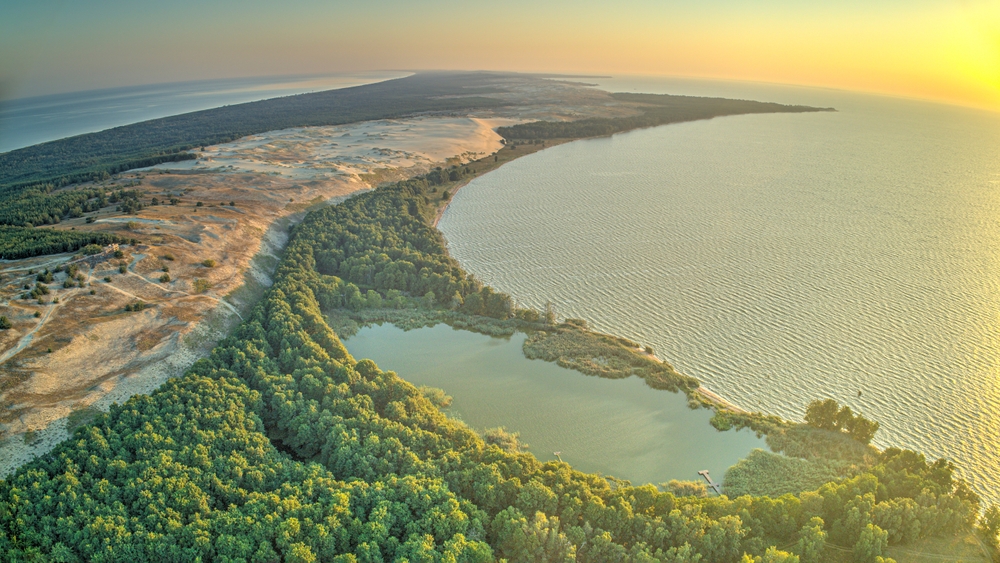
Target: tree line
<point>379,248</point>
<point>93,156</point>
<point>657,109</point>
<point>24,242</point>
<point>282,447</point>
<point>829,415</point>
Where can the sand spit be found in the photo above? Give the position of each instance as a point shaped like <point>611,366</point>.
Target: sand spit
<point>412,146</point>
<point>232,206</point>
<point>207,250</point>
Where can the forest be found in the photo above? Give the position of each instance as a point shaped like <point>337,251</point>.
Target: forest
<point>282,447</point>
<point>25,242</point>
<point>31,178</point>
<point>39,206</point>
<point>657,109</point>
<point>94,155</point>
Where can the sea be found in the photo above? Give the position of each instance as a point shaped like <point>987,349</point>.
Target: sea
<point>29,121</point>
<point>778,258</point>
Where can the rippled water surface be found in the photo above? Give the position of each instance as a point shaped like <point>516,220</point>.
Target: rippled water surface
<point>618,427</point>
<point>777,258</point>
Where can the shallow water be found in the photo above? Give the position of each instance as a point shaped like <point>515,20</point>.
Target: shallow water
<point>617,427</point>
<point>777,258</point>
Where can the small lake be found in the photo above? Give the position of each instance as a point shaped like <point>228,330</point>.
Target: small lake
<point>616,427</point>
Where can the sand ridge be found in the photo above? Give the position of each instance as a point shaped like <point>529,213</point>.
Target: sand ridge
<point>86,351</point>
<point>207,251</point>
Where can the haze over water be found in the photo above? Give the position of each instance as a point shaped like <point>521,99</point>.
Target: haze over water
<point>28,121</point>
<point>778,258</point>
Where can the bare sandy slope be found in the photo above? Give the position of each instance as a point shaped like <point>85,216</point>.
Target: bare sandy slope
<point>328,153</point>
<point>86,351</point>
<point>233,206</point>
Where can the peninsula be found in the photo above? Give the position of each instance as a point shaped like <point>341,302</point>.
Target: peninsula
<point>278,445</point>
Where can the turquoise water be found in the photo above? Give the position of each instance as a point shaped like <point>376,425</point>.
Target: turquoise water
<point>617,427</point>
<point>28,121</point>
<point>777,258</point>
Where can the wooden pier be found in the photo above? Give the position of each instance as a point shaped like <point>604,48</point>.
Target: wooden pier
<point>715,486</point>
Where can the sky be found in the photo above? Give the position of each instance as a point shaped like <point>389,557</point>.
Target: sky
<point>945,50</point>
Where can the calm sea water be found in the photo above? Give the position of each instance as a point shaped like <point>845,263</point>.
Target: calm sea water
<point>777,258</point>
<point>29,121</point>
<point>617,427</point>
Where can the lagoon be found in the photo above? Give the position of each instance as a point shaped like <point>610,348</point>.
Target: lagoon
<point>620,428</point>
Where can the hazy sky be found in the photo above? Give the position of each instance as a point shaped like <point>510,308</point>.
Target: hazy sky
<point>943,49</point>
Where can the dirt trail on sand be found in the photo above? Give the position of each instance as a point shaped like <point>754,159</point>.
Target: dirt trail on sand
<point>210,232</point>
<point>205,254</point>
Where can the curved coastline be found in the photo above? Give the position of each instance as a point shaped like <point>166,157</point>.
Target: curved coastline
<point>293,397</point>
<point>706,395</point>
<point>717,266</point>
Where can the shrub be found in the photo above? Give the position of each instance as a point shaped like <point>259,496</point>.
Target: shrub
<point>208,263</point>
<point>164,278</point>
<point>764,473</point>
<point>506,441</point>
<point>5,322</point>
<point>686,488</point>
<point>201,286</point>
<point>436,396</point>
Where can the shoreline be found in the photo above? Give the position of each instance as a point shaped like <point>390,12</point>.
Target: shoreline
<point>36,433</point>
<point>703,392</point>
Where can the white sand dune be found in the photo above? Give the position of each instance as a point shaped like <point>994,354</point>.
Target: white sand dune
<point>310,153</point>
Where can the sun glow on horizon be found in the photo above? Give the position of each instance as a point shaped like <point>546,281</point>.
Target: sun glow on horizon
<point>943,50</point>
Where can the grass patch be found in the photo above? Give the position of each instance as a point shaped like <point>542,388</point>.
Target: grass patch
<point>31,437</point>
<point>963,549</point>
<point>81,417</point>
<point>806,442</point>
<point>572,346</point>
<point>341,322</point>
<point>12,375</point>
<point>766,474</point>
<point>412,318</point>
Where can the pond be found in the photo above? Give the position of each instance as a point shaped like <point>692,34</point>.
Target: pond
<point>618,427</point>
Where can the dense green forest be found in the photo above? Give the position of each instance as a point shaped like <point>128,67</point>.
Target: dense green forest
<point>23,242</point>
<point>282,447</point>
<point>36,206</point>
<point>658,109</point>
<point>95,155</point>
